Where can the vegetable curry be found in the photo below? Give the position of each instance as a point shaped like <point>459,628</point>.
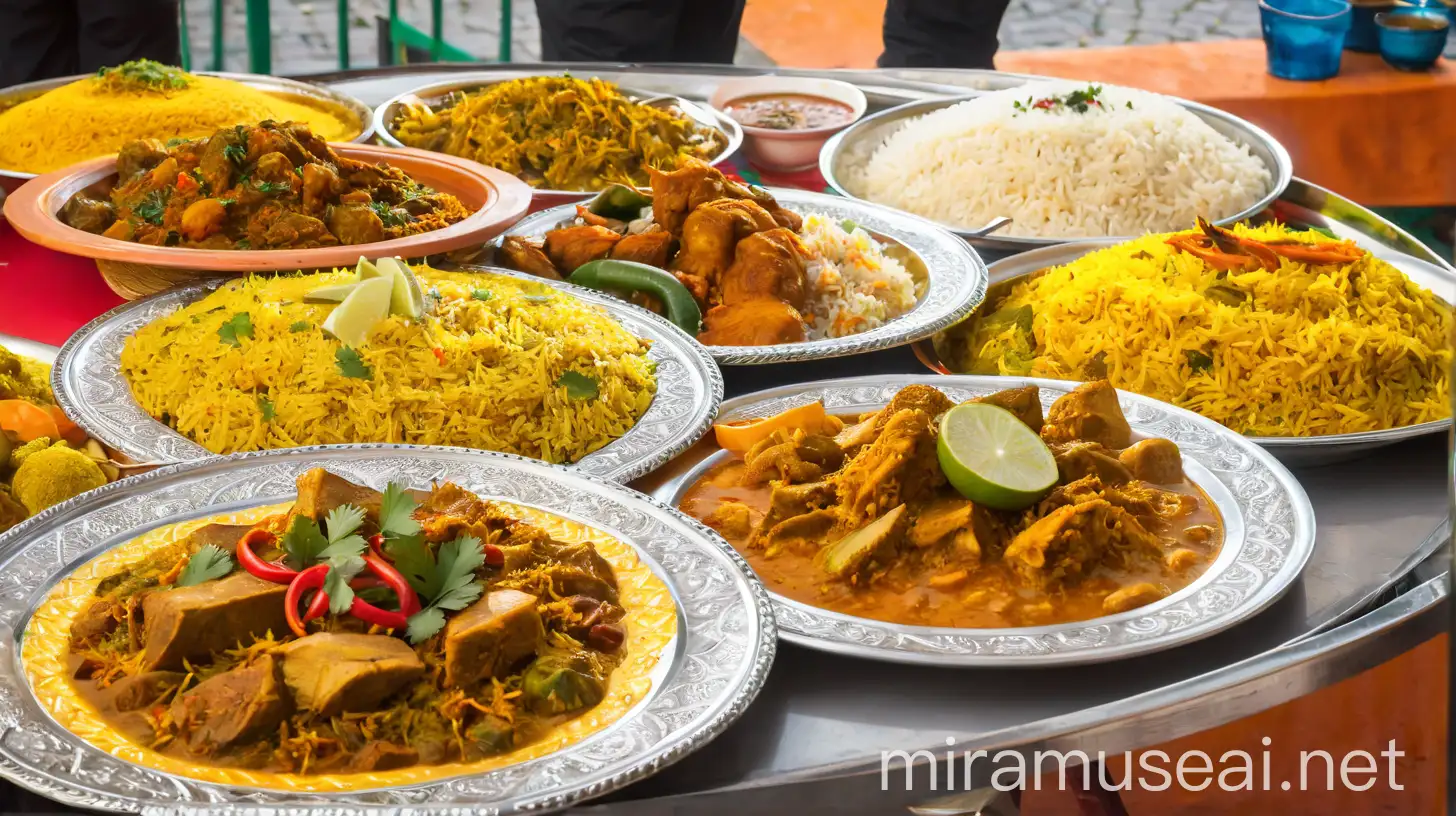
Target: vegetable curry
<point>358,631</point>
<point>855,516</point>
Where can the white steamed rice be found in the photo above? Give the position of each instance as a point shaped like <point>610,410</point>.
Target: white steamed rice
<point>1140,163</point>
<point>854,286</point>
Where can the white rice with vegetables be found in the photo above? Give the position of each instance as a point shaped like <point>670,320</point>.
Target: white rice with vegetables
<point>854,286</point>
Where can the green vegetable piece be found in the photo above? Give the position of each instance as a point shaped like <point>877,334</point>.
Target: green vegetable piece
<point>265,406</point>
<point>603,275</point>
<point>391,215</point>
<point>620,202</point>
<point>481,294</point>
<point>1198,361</point>
<point>854,551</point>
<point>561,683</point>
<point>1225,294</point>
<point>235,328</point>
<point>848,225</point>
<point>579,386</point>
<point>1325,232</point>
<point>350,364</point>
<point>207,564</point>
<point>300,326</point>
<point>492,735</point>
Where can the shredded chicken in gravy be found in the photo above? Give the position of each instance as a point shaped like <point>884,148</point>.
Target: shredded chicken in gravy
<point>1122,528</point>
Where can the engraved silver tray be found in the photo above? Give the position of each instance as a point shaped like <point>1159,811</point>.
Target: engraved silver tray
<point>90,387</point>
<point>707,675</point>
<point>1268,536</point>
<point>953,276</point>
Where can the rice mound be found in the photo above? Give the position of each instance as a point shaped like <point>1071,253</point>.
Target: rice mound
<point>1309,350</point>
<point>503,344</point>
<point>855,286</point>
<point>86,119</point>
<point>1140,162</point>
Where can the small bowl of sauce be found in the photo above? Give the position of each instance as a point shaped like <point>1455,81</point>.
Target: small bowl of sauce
<point>787,120</point>
<point>1412,39</point>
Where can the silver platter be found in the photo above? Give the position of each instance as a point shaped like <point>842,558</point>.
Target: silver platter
<point>436,94</point>
<point>16,94</point>
<point>854,146</point>
<point>91,389</point>
<point>1291,450</point>
<point>706,677</point>
<point>1268,524</point>
<point>953,276</point>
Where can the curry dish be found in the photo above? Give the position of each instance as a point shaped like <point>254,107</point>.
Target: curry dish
<point>355,632</point>
<point>857,517</point>
<point>273,186</point>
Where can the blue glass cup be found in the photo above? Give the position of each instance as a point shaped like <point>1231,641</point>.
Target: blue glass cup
<point>1412,39</point>
<point>1364,35</point>
<point>1304,38</point>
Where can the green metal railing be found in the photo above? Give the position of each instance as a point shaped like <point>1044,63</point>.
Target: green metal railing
<point>403,38</point>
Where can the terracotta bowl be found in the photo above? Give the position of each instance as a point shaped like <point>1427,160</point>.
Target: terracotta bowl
<point>499,200</point>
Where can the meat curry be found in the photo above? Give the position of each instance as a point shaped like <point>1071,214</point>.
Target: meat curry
<point>438,629</point>
<point>735,249</point>
<point>273,186</point>
<point>857,517</point>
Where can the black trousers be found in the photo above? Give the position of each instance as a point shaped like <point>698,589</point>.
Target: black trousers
<point>40,39</point>
<point>941,33</point>
<point>639,30</point>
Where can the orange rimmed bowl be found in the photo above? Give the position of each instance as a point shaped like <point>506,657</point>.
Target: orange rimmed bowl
<point>133,270</point>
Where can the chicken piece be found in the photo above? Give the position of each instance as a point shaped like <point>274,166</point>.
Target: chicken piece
<point>925,398</point>
<point>1076,460</point>
<point>203,217</point>
<point>866,549</point>
<point>1066,545</point>
<point>570,247</point>
<point>139,156</point>
<point>970,530</point>
<point>88,214</point>
<point>272,227</point>
<point>1154,460</point>
<point>1025,403</point>
<point>354,223</point>
<point>216,165</point>
<point>1181,560</point>
<point>142,690</point>
<point>1091,414</point>
<point>321,186</point>
<point>330,673</point>
<point>1132,597</point>
<point>98,620</point>
<point>732,519</point>
<point>694,183</point>
<point>762,322</point>
<point>524,255</point>
<point>651,248</point>
<point>491,636</point>
<point>778,458</point>
<point>273,168</point>
<point>710,237</point>
<point>899,467</point>
<point>767,265</point>
<point>803,533</point>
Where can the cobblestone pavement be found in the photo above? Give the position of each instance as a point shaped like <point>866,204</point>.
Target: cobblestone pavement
<point>1073,23</point>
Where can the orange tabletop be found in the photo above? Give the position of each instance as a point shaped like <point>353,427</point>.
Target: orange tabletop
<point>1379,136</point>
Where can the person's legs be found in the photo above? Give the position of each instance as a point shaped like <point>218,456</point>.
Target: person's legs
<point>609,30</point>
<point>113,32</point>
<point>941,33</point>
<point>707,31</point>
<point>37,40</point>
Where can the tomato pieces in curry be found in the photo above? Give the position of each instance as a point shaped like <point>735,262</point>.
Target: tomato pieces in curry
<point>1122,528</point>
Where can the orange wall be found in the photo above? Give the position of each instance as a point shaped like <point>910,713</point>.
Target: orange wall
<point>816,33</point>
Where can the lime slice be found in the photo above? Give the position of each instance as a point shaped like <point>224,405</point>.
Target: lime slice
<point>993,458</point>
<point>365,270</point>
<point>368,304</point>
<point>408,298</point>
<point>331,294</point>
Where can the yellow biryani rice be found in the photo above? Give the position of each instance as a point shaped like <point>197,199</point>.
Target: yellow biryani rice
<point>1305,351</point>
<point>91,117</point>
<point>488,369</point>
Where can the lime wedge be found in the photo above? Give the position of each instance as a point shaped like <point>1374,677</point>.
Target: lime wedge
<point>368,304</point>
<point>993,458</point>
<point>331,294</point>
<point>365,270</point>
<point>408,298</point>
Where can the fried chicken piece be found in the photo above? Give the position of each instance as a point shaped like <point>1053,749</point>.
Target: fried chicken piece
<point>1066,545</point>
<point>524,255</point>
<point>1088,414</point>
<point>710,238</point>
<point>1154,460</point>
<point>694,183</point>
<point>761,322</point>
<point>900,466</point>
<point>767,265</point>
<point>570,247</point>
<point>1025,403</point>
<point>651,248</point>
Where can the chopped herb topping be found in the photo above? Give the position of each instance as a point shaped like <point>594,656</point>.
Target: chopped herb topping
<point>235,153</point>
<point>579,386</point>
<point>152,206</point>
<point>300,326</point>
<point>1198,361</point>
<point>1078,101</point>
<point>207,564</point>
<point>352,365</point>
<point>272,187</point>
<point>481,294</point>
<point>265,406</point>
<point>451,584</point>
<point>391,215</point>
<point>142,75</point>
<point>536,298</point>
<point>243,243</point>
<point>235,328</point>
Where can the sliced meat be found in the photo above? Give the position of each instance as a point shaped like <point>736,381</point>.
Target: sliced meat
<point>491,636</point>
<point>223,536</point>
<point>193,622</point>
<point>1077,460</point>
<point>333,673</point>
<point>320,491</point>
<point>142,690</point>
<point>99,620</point>
<point>234,706</point>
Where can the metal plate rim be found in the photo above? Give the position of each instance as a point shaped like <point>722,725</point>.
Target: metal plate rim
<point>957,278</point>
<point>683,543</point>
<point>1281,173</point>
<point>866,638</point>
<point>382,121</point>
<point>621,460</point>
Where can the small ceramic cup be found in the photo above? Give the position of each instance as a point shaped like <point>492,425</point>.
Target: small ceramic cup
<point>1364,35</point>
<point>1412,39</point>
<point>789,150</point>
<point>1304,38</point>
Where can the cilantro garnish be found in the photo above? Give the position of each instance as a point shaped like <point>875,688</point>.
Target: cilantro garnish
<point>265,405</point>
<point>1079,101</point>
<point>153,206</point>
<point>451,585</point>
<point>352,365</point>
<point>338,544</point>
<point>481,294</point>
<point>303,542</point>
<point>396,512</point>
<point>142,75</point>
<point>235,153</point>
<point>243,243</point>
<point>579,386</point>
<point>235,328</point>
<point>207,564</point>
<point>1198,361</point>
<point>272,187</point>
<point>300,326</point>
<point>391,215</point>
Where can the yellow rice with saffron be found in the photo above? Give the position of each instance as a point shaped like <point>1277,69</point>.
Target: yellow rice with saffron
<point>91,117</point>
<point>1309,350</point>
<point>487,369</point>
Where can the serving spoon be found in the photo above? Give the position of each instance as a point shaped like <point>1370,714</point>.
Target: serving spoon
<point>989,227</point>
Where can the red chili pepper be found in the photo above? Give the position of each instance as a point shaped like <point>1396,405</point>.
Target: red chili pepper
<point>439,355</point>
<point>376,544</point>
<point>494,556</point>
<point>373,615</point>
<point>186,183</point>
<point>267,570</point>
<point>1045,103</point>
<point>311,578</point>
<point>409,602</point>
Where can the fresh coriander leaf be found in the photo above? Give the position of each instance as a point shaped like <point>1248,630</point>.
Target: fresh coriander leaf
<point>272,188</point>
<point>1198,361</point>
<point>396,512</point>
<point>227,202</point>
<point>303,542</point>
<point>536,298</point>
<point>391,215</point>
<point>243,243</point>
<point>235,328</point>
<point>413,559</point>
<point>235,153</point>
<point>456,586</point>
<point>300,326</point>
<point>579,386</point>
<point>152,206</point>
<point>336,583</point>
<point>265,405</point>
<point>209,563</point>
<point>343,521</point>
<point>424,625</point>
<point>481,294</point>
<point>175,140</point>
<point>352,365</point>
